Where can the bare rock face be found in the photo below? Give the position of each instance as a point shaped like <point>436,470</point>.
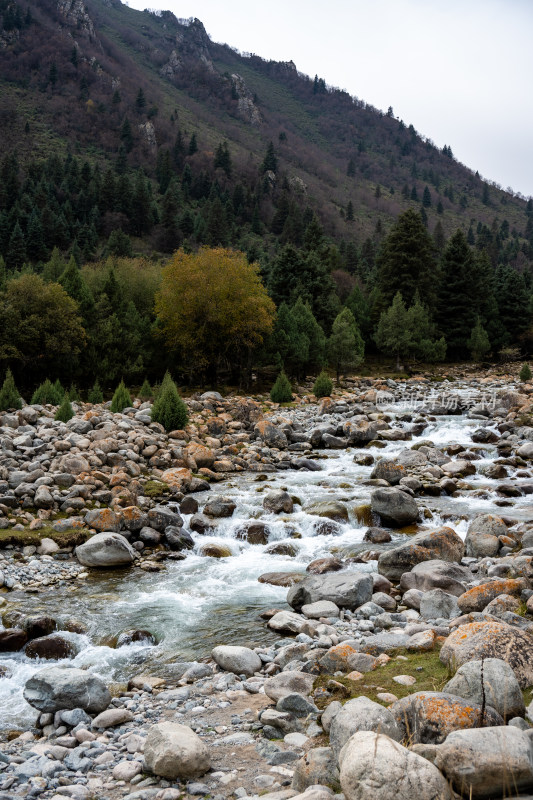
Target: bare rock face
<point>175,751</point>
<point>247,108</point>
<point>75,14</point>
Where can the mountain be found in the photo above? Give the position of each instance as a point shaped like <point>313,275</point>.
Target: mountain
<point>71,73</point>
<point>128,135</point>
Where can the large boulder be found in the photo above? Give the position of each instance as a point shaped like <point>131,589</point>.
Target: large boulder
<point>331,509</point>
<point>437,604</point>
<point>487,762</point>
<point>395,507</point>
<point>106,550</point>
<point>491,681</point>
<point>436,574</point>
<point>278,502</point>
<point>175,751</point>
<point>482,536</point>
<point>103,519</point>
<point>443,544</point>
<point>219,507</point>
<point>429,717</point>
<point>361,714</point>
<point>491,639</point>
<point>375,767</point>
<point>55,688</point>
<point>318,766</point>
<point>52,647</point>
<point>288,683</point>
<point>240,660</point>
<point>345,589</point>
<point>270,435</point>
<point>477,598</point>
<point>388,471</point>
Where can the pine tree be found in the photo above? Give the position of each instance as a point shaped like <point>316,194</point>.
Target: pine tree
<point>345,345</point>
<point>349,212</point>
<point>281,392</point>
<point>323,385</point>
<point>525,373</point>
<point>73,394</point>
<point>140,101</point>
<point>168,409</point>
<point>9,395</point>
<point>270,162</point>
<point>350,169</point>
<point>478,343</point>
<point>95,395</point>
<point>423,334</point>
<point>193,145</point>
<point>456,313</point>
<point>426,197</point>
<point>121,399</point>
<point>126,135</point>
<point>406,261</point>
<point>47,394</point>
<point>65,410</point>
<point>16,253</point>
<point>145,392</point>
<point>393,334</point>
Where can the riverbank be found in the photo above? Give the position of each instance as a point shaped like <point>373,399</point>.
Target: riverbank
<point>373,502</point>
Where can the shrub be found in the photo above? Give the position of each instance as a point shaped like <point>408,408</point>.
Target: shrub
<point>169,409</point>
<point>145,392</point>
<point>73,394</point>
<point>95,394</point>
<point>64,412</point>
<point>323,385</point>
<point>281,392</point>
<point>9,396</point>
<point>121,399</point>
<point>47,393</point>
<point>58,389</point>
<point>525,373</point>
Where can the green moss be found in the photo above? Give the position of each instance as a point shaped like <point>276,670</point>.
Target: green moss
<point>69,538</point>
<point>156,489</point>
<point>429,671</point>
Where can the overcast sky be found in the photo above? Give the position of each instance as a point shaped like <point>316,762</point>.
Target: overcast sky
<point>459,70</point>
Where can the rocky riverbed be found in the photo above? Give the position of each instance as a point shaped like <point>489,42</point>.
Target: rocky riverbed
<point>332,597</point>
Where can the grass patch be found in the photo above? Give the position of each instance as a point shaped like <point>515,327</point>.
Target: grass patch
<point>429,671</point>
<point>69,538</point>
<point>156,489</point>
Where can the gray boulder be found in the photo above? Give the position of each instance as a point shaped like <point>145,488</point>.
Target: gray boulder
<point>174,751</point>
<point>287,683</point>
<point>318,766</point>
<point>106,550</point>
<point>219,507</point>
<point>388,471</point>
<point>429,717</point>
<point>443,544</point>
<point>375,767</point>
<point>395,507</point>
<point>487,762</point>
<point>437,604</point>
<point>498,688</point>
<point>361,714</point>
<point>345,589</point>
<point>482,536</point>
<point>278,502</point>
<point>437,574</point>
<point>53,689</point>
<point>240,660</point>
<point>331,509</point>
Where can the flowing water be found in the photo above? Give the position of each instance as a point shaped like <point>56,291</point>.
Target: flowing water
<point>194,604</point>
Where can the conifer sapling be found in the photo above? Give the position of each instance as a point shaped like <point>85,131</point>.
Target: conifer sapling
<point>121,399</point>
<point>281,392</point>
<point>525,373</point>
<point>169,409</point>
<point>95,394</point>
<point>9,395</point>
<point>65,410</point>
<point>323,385</point>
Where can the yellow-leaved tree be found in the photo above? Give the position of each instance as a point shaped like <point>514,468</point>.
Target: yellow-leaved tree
<point>213,309</point>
